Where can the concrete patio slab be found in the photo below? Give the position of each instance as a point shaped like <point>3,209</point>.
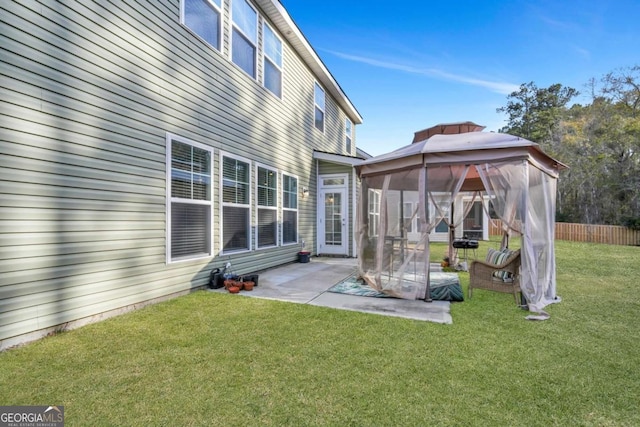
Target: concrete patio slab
<point>307,283</point>
<point>436,311</point>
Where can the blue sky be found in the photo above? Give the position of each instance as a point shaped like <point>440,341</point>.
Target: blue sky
<point>408,65</point>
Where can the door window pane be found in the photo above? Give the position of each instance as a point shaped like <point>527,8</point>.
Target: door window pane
<point>333,218</point>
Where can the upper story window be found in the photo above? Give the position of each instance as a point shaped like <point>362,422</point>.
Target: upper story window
<point>189,202</point>
<point>318,100</point>
<point>348,134</point>
<point>236,204</point>
<point>244,37</point>
<point>272,61</point>
<point>267,190</point>
<point>203,18</point>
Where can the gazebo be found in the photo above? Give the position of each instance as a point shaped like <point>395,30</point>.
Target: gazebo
<point>513,173</point>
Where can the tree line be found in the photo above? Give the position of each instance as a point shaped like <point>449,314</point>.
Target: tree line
<point>599,141</point>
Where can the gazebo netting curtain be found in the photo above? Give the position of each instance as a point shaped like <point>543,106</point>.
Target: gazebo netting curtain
<point>408,193</point>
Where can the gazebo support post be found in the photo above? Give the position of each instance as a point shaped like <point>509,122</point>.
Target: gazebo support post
<point>427,295</point>
<point>452,236</point>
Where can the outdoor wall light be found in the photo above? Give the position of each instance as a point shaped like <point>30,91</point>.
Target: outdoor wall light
<point>305,192</point>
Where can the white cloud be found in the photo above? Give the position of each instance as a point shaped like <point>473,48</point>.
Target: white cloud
<point>503,88</point>
<point>586,54</point>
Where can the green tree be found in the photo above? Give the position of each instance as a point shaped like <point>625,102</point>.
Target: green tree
<point>600,141</point>
<point>535,113</point>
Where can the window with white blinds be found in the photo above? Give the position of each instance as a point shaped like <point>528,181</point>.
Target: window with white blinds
<point>289,209</point>
<point>236,204</point>
<point>190,200</point>
<point>267,194</point>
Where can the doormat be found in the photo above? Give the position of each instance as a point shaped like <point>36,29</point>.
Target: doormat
<point>444,287</point>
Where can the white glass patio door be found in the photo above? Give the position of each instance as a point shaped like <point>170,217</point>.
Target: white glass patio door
<point>333,231</point>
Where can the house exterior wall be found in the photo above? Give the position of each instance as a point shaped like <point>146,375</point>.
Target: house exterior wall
<point>90,92</point>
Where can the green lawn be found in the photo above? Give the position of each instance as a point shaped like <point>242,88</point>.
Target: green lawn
<point>219,359</point>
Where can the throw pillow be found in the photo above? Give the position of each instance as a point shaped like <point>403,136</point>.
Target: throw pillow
<point>497,258</point>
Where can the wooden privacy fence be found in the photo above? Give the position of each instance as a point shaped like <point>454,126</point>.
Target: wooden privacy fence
<point>608,234</point>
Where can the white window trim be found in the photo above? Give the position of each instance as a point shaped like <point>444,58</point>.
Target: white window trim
<point>232,25</point>
<point>276,208</point>
<point>411,218</point>
<point>343,177</point>
<point>222,155</point>
<point>266,58</point>
<point>220,26</point>
<point>348,133</point>
<point>296,210</point>
<point>169,200</point>
<point>373,196</point>
<point>315,105</point>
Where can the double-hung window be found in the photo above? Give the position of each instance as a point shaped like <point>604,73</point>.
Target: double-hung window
<point>236,204</point>
<point>318,107</point>
<point>407,213</point>
<point>272,47</point>
<point>189,201</point>
<point>267,195</point>
<point>289,209</point>
<point>203,18</point>
<point>374,212</point>
<point>244,36</point>
<point>348,134</point>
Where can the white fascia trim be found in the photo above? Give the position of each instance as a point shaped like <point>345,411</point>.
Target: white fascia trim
<point>336,158</point>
